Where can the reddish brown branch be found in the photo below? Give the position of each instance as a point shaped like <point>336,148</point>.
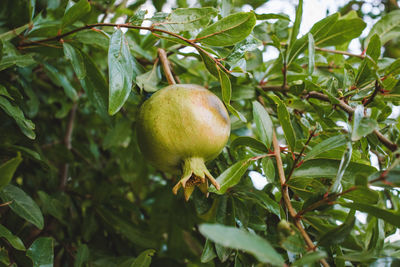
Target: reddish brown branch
<point>286,198</point>
<point>166,66</point>
<point>151,29</point>
<point>385,141</point>
<point>371,98</point>
<point>276,88</point>
<point>339,52</point>
<point>296,161</point>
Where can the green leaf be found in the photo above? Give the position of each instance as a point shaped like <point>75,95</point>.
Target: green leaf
<point>144,258</point>
<point>82,256</point>
<point>310,258</point>
<point>60,79</point>
<point>231,176</point>
<point>239,239</point>
<point>127,229</point>
<point>120,70</point>
<point>149,81</point>
<point>311,54</point>
<point>296,25</point>
<point>365,71</point>
<point>249,142</point>
<point>386,215</point>
<point>344,30</point>
<point>284,120</point>
<point>263,123</point>
<point>26,126</point>
<point>1,50</point>
<point>374,47</point>
<point>19,60</point>
<point>326,145</point>
<point>239,50</point>
<point>236,113</point>
<point>344,163</point>
<point>272,16</point>
<point>42,252</point>
<point>14,241</point>
<point>208,252</point>
<point>264,201</point>
<point>268,169</point>
<point>189,19</point>
<point>392,177</point>
<point>318,30</point>
<point>362,126</point>
<point>52,206</point>
<point>209,63</point>
<point>225,86</point>
<point>75,12</point>
<point>7,170</point>
<point>229,30</point>
<point>394,68</point>
<point>387,28</point>
<point>76,58</point>
<point>328,168</point>
<point>338,234</point>
<point>363,194</point>
<point>95,86</point>
<point>23,205</point>
<point>7,36</point>
<point>138,17</point>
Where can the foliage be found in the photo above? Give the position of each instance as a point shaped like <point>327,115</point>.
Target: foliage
<point>76,191</point>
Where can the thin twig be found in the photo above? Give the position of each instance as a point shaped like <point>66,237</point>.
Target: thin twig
<point>281,172</point>
<point>6,203</point>
<point>166,66</point>
<point>339,52</point>
<point>286,198</point>
<point>296,161</point>
<point>333,51</point>
<point>276,88</point>
<point>67,143</point>
<point>324,201</point>
<point>385,141</point>
<point>371,98</point>
<point>321,96</point>
<point>151,29</point>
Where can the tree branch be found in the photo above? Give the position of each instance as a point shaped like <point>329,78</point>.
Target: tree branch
<point>312,134</point>
<point>67,143</point>
<point>276,88</point>
<point>371,98</point>
<point>324,50</point>
<point>385,141</point>
<point>166,66</point>
<point>286,198</point>
<point>339,52</point>
<point>151,29</point>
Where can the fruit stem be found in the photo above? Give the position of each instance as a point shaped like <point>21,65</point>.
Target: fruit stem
<point>194,173</point>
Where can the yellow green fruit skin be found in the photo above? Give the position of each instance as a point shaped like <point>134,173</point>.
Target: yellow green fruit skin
<point>180,122</point>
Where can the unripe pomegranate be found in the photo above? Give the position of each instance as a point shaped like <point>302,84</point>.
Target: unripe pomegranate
<point>181,127</point>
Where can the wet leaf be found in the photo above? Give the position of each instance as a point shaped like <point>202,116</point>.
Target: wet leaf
<point>229,30</point>
<point>42,252</point>
<point>7,170</point>
<point>75,12</point>
<point>23,205</point>
<point>239,239</point>
<point>120,71</point>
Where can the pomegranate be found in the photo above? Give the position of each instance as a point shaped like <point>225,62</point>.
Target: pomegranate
<point>181,127</point>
